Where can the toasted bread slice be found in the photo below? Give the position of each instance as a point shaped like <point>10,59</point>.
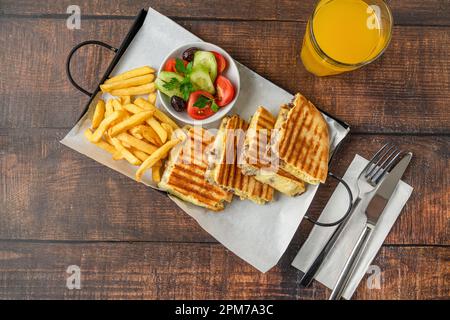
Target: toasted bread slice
<point>302,142</point>
<point>256,159</point>
<point>223,167</point>
<point>184,175</point>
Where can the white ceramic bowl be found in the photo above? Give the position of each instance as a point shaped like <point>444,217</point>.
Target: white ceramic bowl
<point>231,72</point>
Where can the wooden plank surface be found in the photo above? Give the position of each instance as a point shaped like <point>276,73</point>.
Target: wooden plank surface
<point>402,92</point>
<point>200,271</point>
<point>79,199</point>
<point>58,207</point>
<point>411,12</point>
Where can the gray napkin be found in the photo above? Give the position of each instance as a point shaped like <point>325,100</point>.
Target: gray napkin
<point>336,206</point>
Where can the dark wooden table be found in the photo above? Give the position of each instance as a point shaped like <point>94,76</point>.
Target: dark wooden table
<point>60,208</point>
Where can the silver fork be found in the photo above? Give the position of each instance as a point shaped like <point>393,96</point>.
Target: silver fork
<point>378,166</point>
<point>382,161</point>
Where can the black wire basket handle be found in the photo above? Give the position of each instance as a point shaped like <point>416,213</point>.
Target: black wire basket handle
<point>350,198</point>
<point>69,58</point>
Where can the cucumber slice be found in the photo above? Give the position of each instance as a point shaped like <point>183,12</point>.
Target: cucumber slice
<point>165,77</point>
<point>207,60</point>
<point>201,80</point>
<point>170,93</point>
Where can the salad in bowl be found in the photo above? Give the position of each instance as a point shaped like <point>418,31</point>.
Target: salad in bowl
<point>198,82</point>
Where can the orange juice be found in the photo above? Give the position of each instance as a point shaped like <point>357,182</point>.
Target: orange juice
<point>342,35</point>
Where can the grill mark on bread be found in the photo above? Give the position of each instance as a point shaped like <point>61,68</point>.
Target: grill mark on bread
<point>231,176</point>
<point>316,151</point>
<point>308,168</point>
<point>188,180</point>
<point>252,152</point>
<point>265,123</point>
<point>303,141</point>
<point>296,129</point>
<point>263,172</point>
<point>303,146</point>
<point>286,128</point>
<point>297,145</point>
<point>190,190</point>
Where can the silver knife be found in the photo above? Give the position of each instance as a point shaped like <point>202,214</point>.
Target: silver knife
<point>373,212</point>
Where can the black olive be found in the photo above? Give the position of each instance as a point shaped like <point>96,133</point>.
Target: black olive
<point>188,54</point>
<point>178,103</point>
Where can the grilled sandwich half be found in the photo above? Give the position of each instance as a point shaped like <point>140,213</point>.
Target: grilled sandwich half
<point>184,175</point>
<point>223,167</point>
<point>301,141</point>
<point>256,159</point>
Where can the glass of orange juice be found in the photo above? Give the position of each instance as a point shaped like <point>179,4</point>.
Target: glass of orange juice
<point>343,35</point>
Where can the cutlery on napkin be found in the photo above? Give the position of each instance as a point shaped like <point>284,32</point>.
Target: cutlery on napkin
<point>333,265</point>
<point>373,212</point>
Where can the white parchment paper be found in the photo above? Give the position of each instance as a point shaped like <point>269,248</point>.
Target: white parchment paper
<point>335,261</point>
<point>257,234</point>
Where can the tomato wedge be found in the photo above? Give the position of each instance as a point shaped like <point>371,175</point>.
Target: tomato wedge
<point>170,65</point>
<point>196,112</point>
<point>221,62</point>
<point>225,91</point>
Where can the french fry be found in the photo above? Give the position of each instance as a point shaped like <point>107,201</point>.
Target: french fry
<point>168,129</point>
<point>117,154</point>
<point>126,153</point>
<point>162,134</point>
<point>98,133</point>
<point>136,132</point>
<point>156,174</point>
<point>102,144</point>
<point>131,74</point>
<point>130,122</point>
<point>125,144</point>
<point>141,102</point>
<point>99,114</point>
<point>127,83</point>
<point>150,135</point>
<point>125,100</point>
<point>133,91</point>
<point>108,108</point>
<point>164,118</point>
<point>141,155</point>
<point>133,129</point>
<point>158,113</point>
<point>126,138</point>
<point>152,122</point>
<point>152,98</point>
<point>155,156</point>
<point>117,105</point>
<point>132,108</point>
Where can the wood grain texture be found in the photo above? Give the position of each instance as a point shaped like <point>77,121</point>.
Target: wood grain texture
<point>407,90</point>
<point>58,207</point>
<point>200,271</point>
<point>52,192</point>
<point>412,12</point>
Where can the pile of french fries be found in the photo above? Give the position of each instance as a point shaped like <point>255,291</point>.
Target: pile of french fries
<point>130,127</point>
